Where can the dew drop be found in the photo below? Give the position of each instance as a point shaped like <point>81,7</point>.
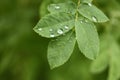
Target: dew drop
<point>57,7</point>
<point>81,21</point>
<point>52,35</point>
<point>60,31</point>
<point>40,29</point>
<point>51,30</point>
<point>66,27</point>
<point>94,18</point>
<point>89,4</point>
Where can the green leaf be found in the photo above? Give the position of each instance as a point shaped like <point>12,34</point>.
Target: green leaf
<point>86,1</point>
<point>54,25</point>
<point>87,38</point>
<point>92,13</point>
<point>68,7</point>
<point>60,49</point>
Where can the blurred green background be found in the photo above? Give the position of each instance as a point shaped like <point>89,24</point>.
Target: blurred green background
<point>23,53</point>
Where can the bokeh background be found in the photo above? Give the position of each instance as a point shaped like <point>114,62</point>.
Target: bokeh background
<point>23,53</point>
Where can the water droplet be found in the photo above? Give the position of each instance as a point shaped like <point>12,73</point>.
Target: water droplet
<point>51,30</point>
<point>60,31</point>
<point>52,35</point>
<point>57,7</point>
<point>81,21</point>
<point>66,27</point>
<point>40,29</point>
<point>89,4</point>
<point>94,19</point>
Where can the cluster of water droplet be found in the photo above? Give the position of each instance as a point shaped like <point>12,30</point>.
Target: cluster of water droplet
<point>83,20</point>
<point>93,17</point>
<point>86,20</point>
<point>59,31</point>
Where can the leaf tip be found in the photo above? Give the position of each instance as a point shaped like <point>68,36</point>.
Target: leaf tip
<point>53,66</point>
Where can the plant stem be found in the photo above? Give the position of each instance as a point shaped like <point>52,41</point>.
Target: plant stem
<point>77,10</point>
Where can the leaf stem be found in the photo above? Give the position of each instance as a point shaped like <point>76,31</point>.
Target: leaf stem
<point>77,10</point>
